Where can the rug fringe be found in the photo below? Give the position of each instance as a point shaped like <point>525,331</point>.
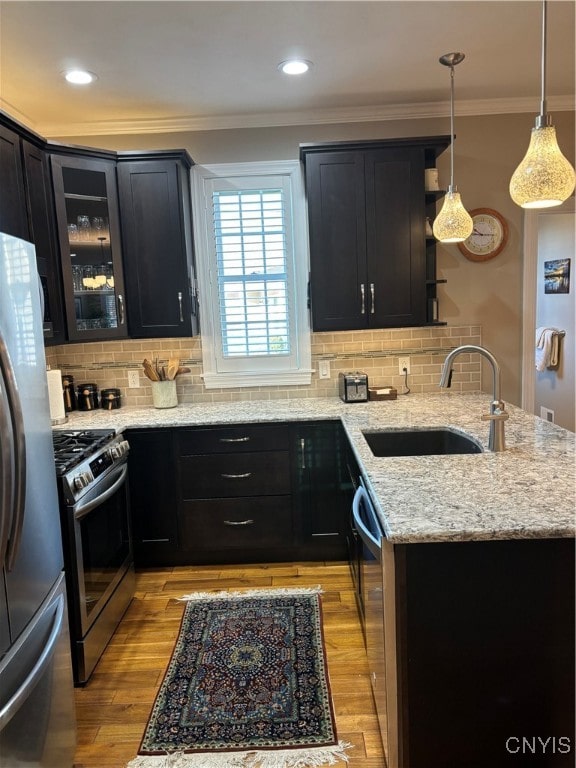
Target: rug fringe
<point>233,595</point>
<point>314,757</point>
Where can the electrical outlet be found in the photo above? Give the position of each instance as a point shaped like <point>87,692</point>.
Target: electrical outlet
<point>403,362</point>
<point>324,369</point>
<point>547,413</point>
<point>133,379</point>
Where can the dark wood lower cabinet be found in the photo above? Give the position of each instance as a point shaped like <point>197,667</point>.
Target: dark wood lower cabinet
<point>254,524</point>
<point>153,496</point>
<point>239,493</point>
<point>235,494</point>
<point>321,489</point>
<point>485,654</point>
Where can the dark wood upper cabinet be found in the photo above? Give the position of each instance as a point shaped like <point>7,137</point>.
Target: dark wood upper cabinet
<point>337,225</point>
<point>88,222</point>
<point>155,210</point>
<point>367,215</point>
<point>41,217</point>
<point>113,235</point>
<point>27,212</point>
<point>13,210</point>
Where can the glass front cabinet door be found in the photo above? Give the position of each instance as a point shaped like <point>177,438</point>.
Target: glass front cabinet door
<point>89,232</point>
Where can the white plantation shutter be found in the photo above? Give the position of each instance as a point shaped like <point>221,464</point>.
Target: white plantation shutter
<point>250,231</point>
<point>250,239</point>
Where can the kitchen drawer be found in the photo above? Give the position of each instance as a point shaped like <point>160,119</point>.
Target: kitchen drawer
<point>233,439</point>
<point>235,475</point>
<point>248,523</point>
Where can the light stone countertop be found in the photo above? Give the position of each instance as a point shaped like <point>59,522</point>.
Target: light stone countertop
<point>527,491</point>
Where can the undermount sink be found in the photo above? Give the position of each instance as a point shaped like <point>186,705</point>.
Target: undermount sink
<point>420,442</point>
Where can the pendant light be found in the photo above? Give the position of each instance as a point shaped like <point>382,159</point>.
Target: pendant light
<point>544,178</point>
<point>453,224</point>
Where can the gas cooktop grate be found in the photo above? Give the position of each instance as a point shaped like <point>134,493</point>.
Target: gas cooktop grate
<point>73,446</point>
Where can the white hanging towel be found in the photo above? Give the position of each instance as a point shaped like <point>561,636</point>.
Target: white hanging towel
<point>546,348</point>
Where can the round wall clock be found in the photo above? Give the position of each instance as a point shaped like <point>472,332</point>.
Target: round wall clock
<point>489,236</point>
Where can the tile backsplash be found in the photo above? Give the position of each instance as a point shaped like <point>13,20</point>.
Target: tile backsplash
<point>374,352</point>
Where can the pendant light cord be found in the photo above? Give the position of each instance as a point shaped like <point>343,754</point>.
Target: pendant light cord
<point>451,128</point>
<point>543,62</point>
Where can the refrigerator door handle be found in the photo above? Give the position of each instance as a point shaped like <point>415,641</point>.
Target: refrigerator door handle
<point>6,464</point>
<point>42,299</point>
<point>19,443</point>
<point>32,678</point>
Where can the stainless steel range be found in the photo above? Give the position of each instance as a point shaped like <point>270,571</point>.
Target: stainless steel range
<point>92,469</point>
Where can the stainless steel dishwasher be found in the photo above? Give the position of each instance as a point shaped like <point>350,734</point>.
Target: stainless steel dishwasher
<point>378,598</point>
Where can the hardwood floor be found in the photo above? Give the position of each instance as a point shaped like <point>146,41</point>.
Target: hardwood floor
<point>114,706</point>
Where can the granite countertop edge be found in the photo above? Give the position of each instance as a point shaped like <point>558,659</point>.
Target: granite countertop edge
<point>525,492</point>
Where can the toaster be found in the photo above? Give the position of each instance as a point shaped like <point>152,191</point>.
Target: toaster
<point>353,387</point>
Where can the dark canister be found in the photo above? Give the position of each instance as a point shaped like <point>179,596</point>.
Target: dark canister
<point>110,399</point>
<point>87,397</point>
<point>69,393</point>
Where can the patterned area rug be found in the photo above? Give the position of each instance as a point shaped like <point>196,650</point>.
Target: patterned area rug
<point>246,687</point>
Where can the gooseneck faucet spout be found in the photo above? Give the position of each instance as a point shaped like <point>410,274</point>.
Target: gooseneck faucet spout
<point>498,413</point>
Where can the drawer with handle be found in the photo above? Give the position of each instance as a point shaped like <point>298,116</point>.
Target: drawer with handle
<point>233,439</point>
<point>235,475</point>
<point>247,523</point>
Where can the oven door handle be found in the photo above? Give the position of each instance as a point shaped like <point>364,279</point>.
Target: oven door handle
<point>368,536</point>
<point>83,509</point>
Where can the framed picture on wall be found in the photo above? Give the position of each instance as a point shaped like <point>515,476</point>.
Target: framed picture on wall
<point>557,276</point>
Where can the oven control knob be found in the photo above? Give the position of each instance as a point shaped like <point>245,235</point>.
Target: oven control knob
<point>118,450</point>
<point>82,480</point>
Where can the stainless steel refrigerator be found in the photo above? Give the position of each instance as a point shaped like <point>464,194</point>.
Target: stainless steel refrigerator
<point>37,722</point>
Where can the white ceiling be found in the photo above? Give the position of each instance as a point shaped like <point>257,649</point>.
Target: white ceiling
<point>189,65</point>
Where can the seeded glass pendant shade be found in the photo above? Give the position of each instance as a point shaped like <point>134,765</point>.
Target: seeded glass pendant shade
<point>544,178</point>
<point>453,224</point>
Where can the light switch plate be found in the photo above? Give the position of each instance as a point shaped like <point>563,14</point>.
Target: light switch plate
<point>324,369</point>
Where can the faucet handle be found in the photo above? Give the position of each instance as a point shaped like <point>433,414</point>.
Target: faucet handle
<point>498,412</point>
<point>502,416</point>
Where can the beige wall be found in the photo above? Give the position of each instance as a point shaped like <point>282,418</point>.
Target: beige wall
<point>554,388</point>
<point>487,150</point>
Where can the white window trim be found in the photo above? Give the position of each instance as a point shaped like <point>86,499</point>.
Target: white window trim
<point>256,373</point>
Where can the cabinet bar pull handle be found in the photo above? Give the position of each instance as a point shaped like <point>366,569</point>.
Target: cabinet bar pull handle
<point>302,453</point>
<point>180,306</point>
<point>234,439</point>
<point>121,317</point>
<point>238,522</point>
<point>241,476</point>
<point>372,298</point>
<point>363,307</point>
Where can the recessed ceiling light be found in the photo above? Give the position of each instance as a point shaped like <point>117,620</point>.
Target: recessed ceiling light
<point>79,76</point>
<point>294,66</point>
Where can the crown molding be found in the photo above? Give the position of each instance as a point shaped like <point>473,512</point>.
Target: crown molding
<point>17,116</point>
<point>304,117</point>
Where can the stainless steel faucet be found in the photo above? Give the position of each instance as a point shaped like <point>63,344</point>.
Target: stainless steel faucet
<point>498,413</point>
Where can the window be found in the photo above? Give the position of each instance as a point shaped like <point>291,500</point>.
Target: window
<point>251,244</point>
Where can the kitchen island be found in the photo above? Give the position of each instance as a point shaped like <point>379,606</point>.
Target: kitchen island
<point>469,608</point>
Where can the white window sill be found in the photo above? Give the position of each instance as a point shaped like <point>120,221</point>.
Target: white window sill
<point>256,379</point>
